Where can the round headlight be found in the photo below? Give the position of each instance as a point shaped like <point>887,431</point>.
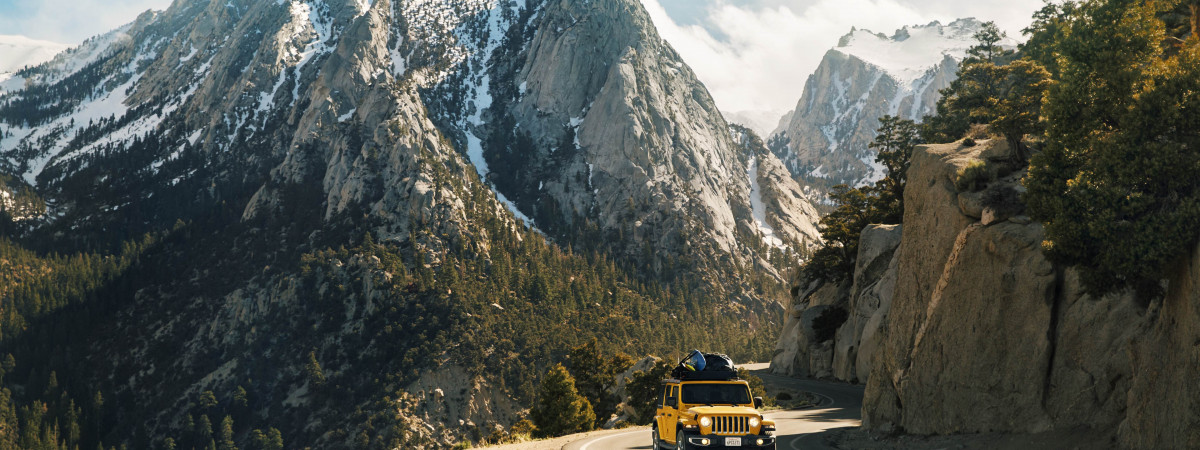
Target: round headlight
<point>754,422</point>
<point>704,421</point>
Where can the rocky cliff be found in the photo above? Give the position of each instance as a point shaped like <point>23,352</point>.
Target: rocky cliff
<point>834,329</point>
<point>823,141</point>
<point>981,333</point>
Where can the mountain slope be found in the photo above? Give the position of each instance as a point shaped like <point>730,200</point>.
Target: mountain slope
<point>604,127</point>
<point>324,205</point>
<point>824,140</point>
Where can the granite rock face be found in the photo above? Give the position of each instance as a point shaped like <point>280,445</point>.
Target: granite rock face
<point>985,334</point>
<point>865,301</point>
<point>623,135</point>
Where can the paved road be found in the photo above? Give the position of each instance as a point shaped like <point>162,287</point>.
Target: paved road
<point>840,406</point>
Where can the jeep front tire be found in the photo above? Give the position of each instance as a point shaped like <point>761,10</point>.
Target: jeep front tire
<point>681,442</point>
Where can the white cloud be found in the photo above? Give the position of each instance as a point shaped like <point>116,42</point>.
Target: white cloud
<point>756,57</point>
<point>72,21</point>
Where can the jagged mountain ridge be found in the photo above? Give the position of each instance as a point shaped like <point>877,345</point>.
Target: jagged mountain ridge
<point>823,141</point>
<point>306,124</point>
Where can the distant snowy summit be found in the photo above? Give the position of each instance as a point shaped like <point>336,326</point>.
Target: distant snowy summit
<point>823,141</point>
<point>911,52</point>
<point>17,52</point>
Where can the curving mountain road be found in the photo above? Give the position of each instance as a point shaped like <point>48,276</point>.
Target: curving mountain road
<point>840,406</point>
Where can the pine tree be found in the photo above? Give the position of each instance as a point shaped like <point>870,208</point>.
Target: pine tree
<point>226,438</point>
<point>315,375</point>
<point>1017,109</point>
<point>970,98</point>
<point>560,409</point>
<point>987,47</point>
<point>894,143</point>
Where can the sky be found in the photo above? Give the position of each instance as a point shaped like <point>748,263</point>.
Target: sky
<point>754,55</point>
<point>70,21</point>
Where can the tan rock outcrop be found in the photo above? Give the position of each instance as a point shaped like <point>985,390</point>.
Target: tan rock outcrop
<point>986,334</point>
<point>797,351</point>
<point>870,300</point>
<point>1164,394</point>
<point>865,299</point>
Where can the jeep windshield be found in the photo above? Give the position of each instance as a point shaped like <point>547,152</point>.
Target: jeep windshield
<point>716,394</point>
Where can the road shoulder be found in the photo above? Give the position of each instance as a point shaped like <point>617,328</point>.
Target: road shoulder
<point>564,441</point>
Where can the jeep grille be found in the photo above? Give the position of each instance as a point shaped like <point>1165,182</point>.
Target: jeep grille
<point>730,425</point>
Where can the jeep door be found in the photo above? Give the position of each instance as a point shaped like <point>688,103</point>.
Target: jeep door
<point>668,415</point>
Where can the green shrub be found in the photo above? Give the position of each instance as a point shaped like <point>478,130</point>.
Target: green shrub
<point>560,409</point>
<point>757,387</point>
<point>974,177</point>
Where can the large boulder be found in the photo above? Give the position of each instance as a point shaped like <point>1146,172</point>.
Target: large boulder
<point>981,351</point>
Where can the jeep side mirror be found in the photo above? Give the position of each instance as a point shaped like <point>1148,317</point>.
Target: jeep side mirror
<point>758,402</point>
<point>672,402</point>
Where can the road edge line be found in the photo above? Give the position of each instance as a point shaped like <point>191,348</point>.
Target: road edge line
<point>589,444</point>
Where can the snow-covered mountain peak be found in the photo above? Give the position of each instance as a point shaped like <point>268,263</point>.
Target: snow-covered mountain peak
<point>911,51</point>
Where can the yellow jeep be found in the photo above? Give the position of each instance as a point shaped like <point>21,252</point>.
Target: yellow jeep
<point>716,412</point>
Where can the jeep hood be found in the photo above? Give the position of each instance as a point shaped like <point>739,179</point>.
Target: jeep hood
<point>722,410</point>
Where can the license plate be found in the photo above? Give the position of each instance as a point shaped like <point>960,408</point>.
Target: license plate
<point>733,442</point>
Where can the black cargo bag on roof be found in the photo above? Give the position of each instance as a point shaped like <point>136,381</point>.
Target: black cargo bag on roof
<point>718,362</point>
<point>716,367</point>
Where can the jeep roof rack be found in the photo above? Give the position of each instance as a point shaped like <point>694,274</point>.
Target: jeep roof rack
<point>703,376</point>
<point>709,375</point>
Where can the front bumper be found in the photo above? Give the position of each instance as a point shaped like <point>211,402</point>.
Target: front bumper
<point>749,441</point>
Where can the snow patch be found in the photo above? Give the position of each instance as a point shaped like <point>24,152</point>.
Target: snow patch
<point>759,209</point>
<point>188,57</point>
<point>516,212</point>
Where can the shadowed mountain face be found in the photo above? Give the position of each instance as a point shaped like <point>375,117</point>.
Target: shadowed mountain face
<point>369,223</point>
